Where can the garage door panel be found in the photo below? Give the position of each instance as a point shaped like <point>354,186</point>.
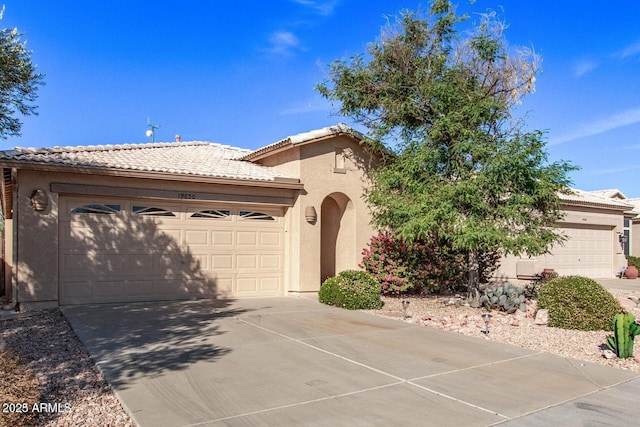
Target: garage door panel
<point>271,261</point>
<point>270,238</point>
<point>224,262</point>
<point>138,264</point>
<point>224,284</point>
<point>222,238</point>
<point>201,262</point>
<point>108,289</point>
<point>247,285</point>
<point>247,261</point>
<point>197,237</point>
<point>125,255</point>
<point>76,291</point>
<point>174,235</point>
<point>247,238</point>
<point>140,287</point>
<point>587,252</point>
<point>270,284</point>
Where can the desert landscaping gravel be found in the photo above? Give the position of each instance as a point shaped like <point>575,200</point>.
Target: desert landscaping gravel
<point>517,329</point>
<point>54,373</point>
<point>42,361</point>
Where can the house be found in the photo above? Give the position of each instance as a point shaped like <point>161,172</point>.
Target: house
<point>597,227</point>
<point>163,221</point>
<point>180,220</point>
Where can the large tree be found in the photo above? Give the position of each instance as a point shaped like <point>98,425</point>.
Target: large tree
<point>19,81</point>
<point>465,169</point>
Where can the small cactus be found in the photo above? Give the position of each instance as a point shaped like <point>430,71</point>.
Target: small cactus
<point>504,297</point>
<point>625,329</point>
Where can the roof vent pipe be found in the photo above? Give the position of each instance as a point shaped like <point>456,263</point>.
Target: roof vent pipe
<point>177,138</point>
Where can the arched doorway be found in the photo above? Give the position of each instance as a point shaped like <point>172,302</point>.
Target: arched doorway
<point>338,235</point>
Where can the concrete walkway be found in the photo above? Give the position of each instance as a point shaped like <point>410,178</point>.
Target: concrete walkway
<point>292,361</point>
<point>620,284</point>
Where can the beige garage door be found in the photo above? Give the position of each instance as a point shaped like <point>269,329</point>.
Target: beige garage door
<point>113,250</point>
<point>588,252</point>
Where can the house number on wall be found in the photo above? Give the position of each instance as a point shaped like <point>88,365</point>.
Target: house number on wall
<point>186,196</point>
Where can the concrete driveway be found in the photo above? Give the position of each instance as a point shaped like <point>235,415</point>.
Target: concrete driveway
<point>292,361</point>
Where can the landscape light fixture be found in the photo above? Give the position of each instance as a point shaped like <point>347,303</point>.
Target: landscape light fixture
<point>486,318</point>
<point>405,304</point>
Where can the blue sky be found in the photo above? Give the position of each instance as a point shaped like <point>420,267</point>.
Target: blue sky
<point>243,73</point>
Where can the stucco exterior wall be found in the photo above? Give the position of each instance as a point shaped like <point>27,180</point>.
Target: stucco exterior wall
<point>334,174</point>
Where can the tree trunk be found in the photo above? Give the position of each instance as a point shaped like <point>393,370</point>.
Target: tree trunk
<point>474,279</point>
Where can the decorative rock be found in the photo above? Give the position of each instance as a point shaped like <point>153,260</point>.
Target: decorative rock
<point>626,303</point>
<point>532,308</point>
<point>608,354</point>
<point>542,317</point>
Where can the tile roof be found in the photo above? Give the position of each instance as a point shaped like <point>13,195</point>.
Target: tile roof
<point>594,198</point>
<point>636,206</point>
<point>197,158</point>
<point>305,137</point>
<point>611,193</point>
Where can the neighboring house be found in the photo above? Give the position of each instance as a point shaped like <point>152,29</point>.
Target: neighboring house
<point>597,225</point>
<point>162,221</point>
<point>632,228</point>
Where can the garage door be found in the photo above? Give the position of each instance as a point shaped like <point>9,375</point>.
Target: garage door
<point>113,250</point>
<point>587,252</point>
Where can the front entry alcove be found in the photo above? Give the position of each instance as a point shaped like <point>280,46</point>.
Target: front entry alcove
<point>338,235</point>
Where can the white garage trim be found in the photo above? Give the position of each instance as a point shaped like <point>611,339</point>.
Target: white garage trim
<point>121,250</point>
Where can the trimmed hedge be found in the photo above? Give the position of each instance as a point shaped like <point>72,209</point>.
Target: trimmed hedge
<point>351,289</point>
<point>576,302</point>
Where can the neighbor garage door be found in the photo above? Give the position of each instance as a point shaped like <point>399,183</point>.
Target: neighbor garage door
<point>587,252</point>
<point>113,250</point>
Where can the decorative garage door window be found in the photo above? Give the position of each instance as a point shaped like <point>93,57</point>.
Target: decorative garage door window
<point>251,215</point>
<point>96,209</point>
<point>212,214</point>
<point>151,211</point>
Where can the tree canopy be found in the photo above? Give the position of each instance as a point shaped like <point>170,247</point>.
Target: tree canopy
<point>19,81</point>
<point>443,99</point>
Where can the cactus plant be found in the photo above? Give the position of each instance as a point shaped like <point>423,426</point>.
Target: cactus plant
<point>504,297</point>
<point>625,329</point>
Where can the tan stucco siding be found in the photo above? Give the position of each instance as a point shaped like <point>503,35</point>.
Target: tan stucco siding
<point>335,171</point>
<point>325,174</point>
<point>37,237</point>
<point>286,162</point>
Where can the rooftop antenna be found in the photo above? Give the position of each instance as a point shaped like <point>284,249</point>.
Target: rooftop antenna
<point>151,132</point>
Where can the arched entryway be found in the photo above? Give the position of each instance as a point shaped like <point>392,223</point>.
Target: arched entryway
<point>338,235</point>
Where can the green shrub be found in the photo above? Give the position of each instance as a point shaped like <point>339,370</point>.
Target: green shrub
<point>351,289</point>
<point>633,261</point>
<point>576,302</point>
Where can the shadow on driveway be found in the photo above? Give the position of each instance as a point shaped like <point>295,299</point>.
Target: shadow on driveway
<point>130,341</point>
<point>292,361</point>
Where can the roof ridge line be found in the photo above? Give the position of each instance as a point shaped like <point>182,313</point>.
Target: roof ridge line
<point>123,146</point>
